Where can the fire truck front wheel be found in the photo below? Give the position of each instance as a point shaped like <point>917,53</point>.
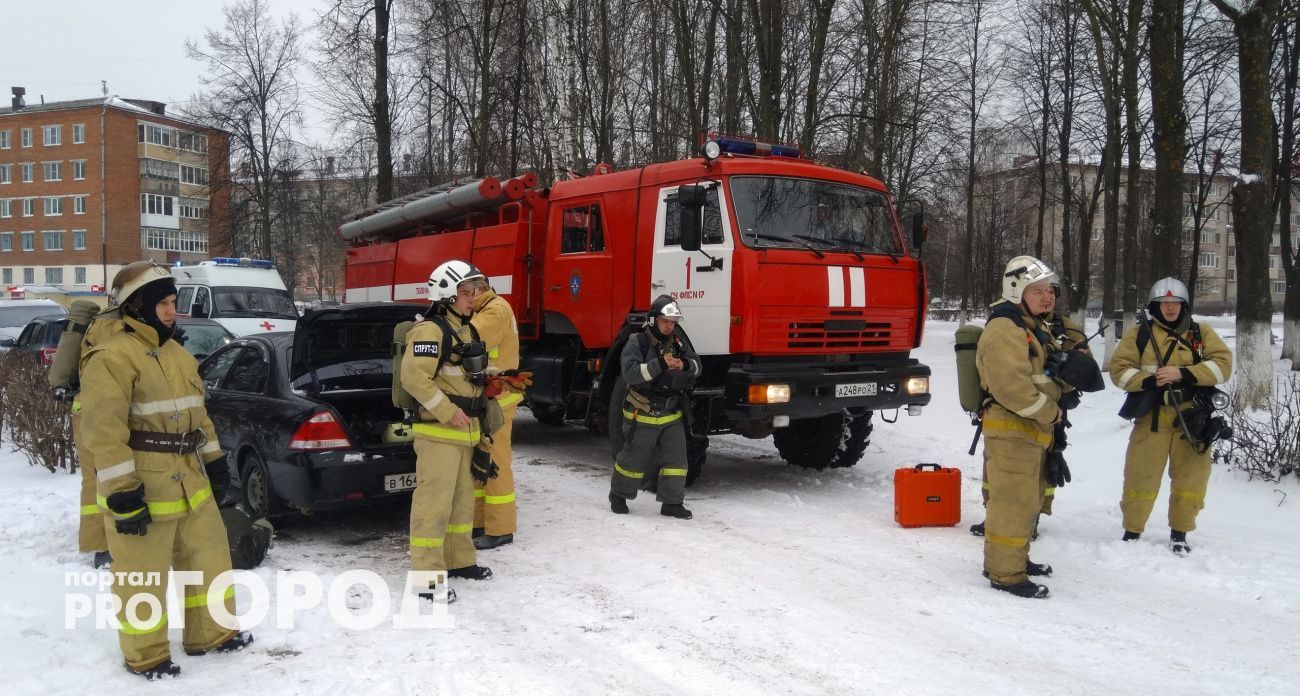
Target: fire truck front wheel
<point>834,440</point>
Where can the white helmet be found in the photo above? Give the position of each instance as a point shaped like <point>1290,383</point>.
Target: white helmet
<point>1023,271</point>
<point>1168,288</point>
<point>134,276</point>
<point>446,277</point>
<point>665,306</point>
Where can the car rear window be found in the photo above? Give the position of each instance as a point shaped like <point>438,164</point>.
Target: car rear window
<point>20,316</point>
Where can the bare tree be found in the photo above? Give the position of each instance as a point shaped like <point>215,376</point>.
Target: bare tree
<point>1169,137</point>
<point>1287,172</point>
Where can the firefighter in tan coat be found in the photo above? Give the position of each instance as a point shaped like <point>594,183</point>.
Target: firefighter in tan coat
<point>444,367</point>
<point>160,473</point>
<point>495,510</point>
<point>1176,356</point>
<point>1018,423</point>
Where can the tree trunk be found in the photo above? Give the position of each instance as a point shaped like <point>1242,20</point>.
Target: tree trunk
<point>1169,125</point>
<point>767,20</point>
<point>382,110</point>
<point>1129,58</point>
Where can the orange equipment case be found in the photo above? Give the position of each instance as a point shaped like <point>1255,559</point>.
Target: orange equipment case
<point>927,495</point>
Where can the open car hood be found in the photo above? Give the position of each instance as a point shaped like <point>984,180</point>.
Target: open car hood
<point>325,337</point>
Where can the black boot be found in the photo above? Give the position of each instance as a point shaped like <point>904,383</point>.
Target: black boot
<point>478,532</point>
<point>1131,536</point>
<point>1178,543</point>
<point>474,572</point>
<point>618,504</point>
<point>489,541</point>
<point>103,559</point>
<point>977,529</point>
<point>1034,569</point>
<point>1025,588</point>
<point>675,510</point>
<point>163,670</point>
<point>235,643</point>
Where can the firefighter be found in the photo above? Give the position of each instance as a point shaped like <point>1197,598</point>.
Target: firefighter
<point>444,368</point>
<point>659,366</point>
<point>160,473</point>
<point>495,510</point>
<point>1164,360</point>
<point>1067,334</point>
<point>1018,422</point>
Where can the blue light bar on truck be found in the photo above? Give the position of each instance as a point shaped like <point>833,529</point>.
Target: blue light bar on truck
<point>742,146</point>
<point>244,262</point>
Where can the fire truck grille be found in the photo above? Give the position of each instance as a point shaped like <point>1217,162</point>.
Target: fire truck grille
<point>845,331</point>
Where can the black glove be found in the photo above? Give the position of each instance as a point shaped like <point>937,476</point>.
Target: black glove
<point>481,466</point>
<point>1056,471</point>
<point>218,471</point>
<point>131,514</point>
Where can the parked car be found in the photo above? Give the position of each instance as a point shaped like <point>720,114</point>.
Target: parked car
<point>203,336</point>
<point>306,418</point>
<point>16,314</point>
<point>40,338</point>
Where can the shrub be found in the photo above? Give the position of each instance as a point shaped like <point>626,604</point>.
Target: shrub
<point>37,424</point>
<point>1266,441</point>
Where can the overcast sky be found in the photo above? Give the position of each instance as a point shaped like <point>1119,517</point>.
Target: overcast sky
<point>63,48</point>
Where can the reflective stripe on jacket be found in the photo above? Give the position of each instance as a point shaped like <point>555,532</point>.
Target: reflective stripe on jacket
<point>1128,369</point>
<point>129,382</point>
<point>431,385</point>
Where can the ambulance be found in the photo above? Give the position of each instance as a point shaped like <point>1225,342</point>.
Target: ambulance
<point>244,295</point>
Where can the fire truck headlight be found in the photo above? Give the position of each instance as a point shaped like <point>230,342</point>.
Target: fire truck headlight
<point>711,150</point>
<point>917,385</point>
<point>769,393</point>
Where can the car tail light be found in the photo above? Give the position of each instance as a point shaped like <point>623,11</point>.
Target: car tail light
<point>320,432</point>
<point>47,356</point>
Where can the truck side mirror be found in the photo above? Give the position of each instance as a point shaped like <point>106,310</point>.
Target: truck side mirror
<point>691,200</point>
<point>199,311</point>
<point>919,231</point>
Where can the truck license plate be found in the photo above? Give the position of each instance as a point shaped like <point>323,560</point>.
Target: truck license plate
<point>399,482</point>
<point>856,389</point>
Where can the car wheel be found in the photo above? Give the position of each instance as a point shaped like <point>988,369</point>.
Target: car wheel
<point>257,497</point>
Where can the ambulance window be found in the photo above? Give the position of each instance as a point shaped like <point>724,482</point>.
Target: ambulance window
<point>712,230</point>
<point>581,230</point>
<point>201,297</point>
<point>184,300</point>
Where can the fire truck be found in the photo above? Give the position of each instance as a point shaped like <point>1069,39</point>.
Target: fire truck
<point>798,289</point>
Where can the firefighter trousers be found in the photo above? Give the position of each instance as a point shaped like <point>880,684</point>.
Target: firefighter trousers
<point>652,448</point>
<point>90,532</point>
<point>194,541</point>
<point>442,507</point>
<point>1144,466</point>
<point>1015,474</point>
<point>495,510</point>
<point>1049,491</point>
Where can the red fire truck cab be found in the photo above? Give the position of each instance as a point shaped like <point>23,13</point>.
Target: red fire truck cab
<point>797,288</point>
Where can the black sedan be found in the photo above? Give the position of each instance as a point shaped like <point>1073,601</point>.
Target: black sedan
<point>306,418</point>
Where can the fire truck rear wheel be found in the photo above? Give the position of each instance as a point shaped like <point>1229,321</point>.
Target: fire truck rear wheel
<point>834,440</point>
<point>549,414</point>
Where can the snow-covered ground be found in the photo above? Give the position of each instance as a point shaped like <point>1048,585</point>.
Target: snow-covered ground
<point>786,582</point>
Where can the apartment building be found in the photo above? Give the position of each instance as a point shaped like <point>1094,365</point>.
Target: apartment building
<point>88,186</point>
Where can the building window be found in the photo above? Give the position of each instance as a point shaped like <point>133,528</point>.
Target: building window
<point>78,169</point>
<point>1279,287</point>
<point>79,275</point>
<point>5,141</point>
<point>176,240</point>
<point>28,241</point>
<point>78,240</point>
<point>78,205</point>
<point>29,276</point>
<point>1209,260</point>
<point>52,135</point>
<point>26,168</point>
<point>5,173</point>
<point>29,207</point>
<point>194,142</point>
<point>157,135</point>
<point>6,241</point>
<point>53,205</point>
<point>53,171</point>
<point>25,136</point>
<point>153,204</point>
<point>194,175</point>
<point>78,133</point>
<point>53,240</point>
<point>7,276</point>
<point>194,209</point>
<point>54,275</point>
<point>6,207</point>
<point>1208,237</point>
<point>158,169</point>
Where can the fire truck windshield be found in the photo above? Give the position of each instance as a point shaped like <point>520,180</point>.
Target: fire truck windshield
<point>785,212</point>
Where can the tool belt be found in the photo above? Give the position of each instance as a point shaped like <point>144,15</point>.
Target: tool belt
<point>473,406</point>
<point>171,443</point>
<point>653,404</point>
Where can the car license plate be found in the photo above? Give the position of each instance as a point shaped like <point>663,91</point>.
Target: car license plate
<point>856,389</point>
<point>399,482</point>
